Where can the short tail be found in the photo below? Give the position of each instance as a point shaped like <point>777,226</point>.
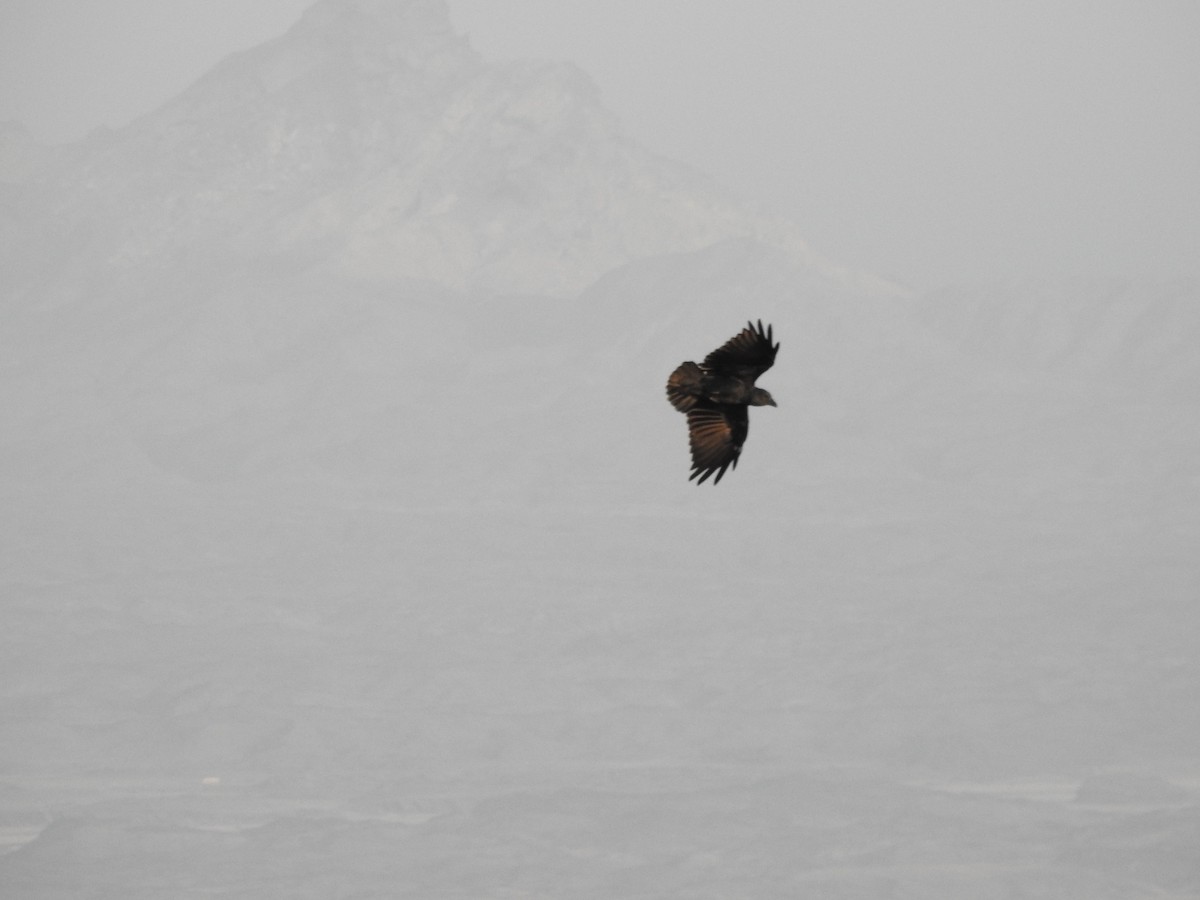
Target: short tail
<point>683,387</point>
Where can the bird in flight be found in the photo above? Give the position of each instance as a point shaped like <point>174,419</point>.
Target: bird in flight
<point>716,394</point>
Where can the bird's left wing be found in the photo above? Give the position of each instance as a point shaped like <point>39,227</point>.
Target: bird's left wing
<point>716,435</point>
<point>746,355</point>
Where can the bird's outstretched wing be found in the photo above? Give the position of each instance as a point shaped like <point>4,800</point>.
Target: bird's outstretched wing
<point>716,434</point>
<point>746,355</point>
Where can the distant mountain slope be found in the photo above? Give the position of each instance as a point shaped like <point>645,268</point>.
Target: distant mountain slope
<point>1138,334</point>
<point>373,141</point>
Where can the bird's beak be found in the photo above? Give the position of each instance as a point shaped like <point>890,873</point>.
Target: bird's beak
<point>772,402</point>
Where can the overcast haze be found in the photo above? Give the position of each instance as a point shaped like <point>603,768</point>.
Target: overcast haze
<point>347,546</point>
<point>925,142</point>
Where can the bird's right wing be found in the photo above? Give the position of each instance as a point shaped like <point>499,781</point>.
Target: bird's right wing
<point>716,435</point>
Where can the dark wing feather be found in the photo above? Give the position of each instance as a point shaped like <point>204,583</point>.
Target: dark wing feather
<point>746,355</point>
<point>716,434</point>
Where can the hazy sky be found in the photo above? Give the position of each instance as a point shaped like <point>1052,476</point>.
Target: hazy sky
<point>925,141</point>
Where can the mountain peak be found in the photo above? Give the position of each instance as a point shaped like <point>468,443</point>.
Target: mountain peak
<point>399,30</point>
<point>400,16</point>
<point>371,140</point>
<point>337,41</point>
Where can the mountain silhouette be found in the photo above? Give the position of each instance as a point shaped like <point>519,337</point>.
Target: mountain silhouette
<point>372,141</point>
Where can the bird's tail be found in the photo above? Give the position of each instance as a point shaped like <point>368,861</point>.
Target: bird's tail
<point>683,387</point>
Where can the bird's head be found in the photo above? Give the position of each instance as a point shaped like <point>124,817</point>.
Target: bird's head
<point>761,397</point>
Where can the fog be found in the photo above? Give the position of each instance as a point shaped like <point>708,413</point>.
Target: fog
<point>347,547</point>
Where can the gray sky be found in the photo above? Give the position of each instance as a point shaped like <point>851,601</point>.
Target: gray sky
<point>925,141</point>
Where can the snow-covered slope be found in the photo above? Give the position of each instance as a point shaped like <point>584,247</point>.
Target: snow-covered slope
<point>347,546</point>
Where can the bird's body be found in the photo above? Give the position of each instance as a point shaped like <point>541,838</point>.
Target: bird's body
<point>716,394</point>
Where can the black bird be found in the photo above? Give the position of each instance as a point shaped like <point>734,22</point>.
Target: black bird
<point>715,396</point>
